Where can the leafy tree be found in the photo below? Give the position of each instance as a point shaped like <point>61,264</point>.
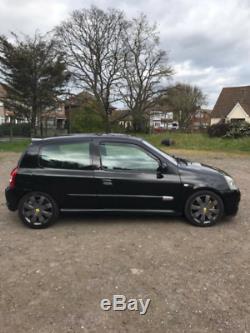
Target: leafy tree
<point>145,66</point>
<point>34,73</point>
<point>185,101</point>
<point>93,43</point>
<point>84,120</point>
<point>84,115</point>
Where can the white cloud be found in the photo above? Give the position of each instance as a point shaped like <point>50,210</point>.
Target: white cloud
<point>27,16</point>
<point>207,40</point>
<point>210,79</point>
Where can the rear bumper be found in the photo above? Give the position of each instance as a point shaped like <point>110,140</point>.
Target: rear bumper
<point>12,198</point>
<point>231,201</point>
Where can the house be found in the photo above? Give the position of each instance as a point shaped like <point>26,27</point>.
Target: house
<point>160,119</point>
<point>5,114</point>
<point>2,107</point>
<point>123,118</point>
<point>201,119</point>
<point>2,118</point>
<point>156,119</point>
<point>233,105</point>
<point>54,120</point>
<point>163,120</point>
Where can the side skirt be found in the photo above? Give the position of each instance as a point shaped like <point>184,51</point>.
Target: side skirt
<point>144,211</point>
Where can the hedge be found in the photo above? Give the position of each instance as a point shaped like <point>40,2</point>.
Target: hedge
<point>22,130</point>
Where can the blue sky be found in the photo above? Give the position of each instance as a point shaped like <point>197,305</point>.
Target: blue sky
<point>208,41</point>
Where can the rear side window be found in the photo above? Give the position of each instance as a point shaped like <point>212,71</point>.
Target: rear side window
<point>73,155</point>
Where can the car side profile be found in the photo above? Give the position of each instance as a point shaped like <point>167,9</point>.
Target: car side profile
<point>115,173</point>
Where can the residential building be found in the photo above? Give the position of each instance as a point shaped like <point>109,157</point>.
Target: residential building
<point>201,119</point>
<point>233,105</point>
<point>1,113</point>
<point>160,119</point>
<point>2,108</point>
<point>123,117</point>
<point>54,120</point>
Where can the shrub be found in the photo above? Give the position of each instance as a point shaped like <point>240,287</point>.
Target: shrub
<point>22,130</point>
<point>86,120</point>
<point>218,130</point>
<point>238,130</point>
<point>229,130</point>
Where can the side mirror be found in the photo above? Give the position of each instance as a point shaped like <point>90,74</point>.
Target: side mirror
<point>163,168</point>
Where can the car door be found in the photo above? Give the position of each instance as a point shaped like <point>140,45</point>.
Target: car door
<point>66,173</point>
<point>128,179</point>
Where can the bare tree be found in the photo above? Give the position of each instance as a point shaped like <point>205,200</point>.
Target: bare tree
<point>185,101</point>
<point>145,66</point>
<point>93,43</point>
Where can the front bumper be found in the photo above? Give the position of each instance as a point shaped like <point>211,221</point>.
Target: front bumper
<point>231,201</point>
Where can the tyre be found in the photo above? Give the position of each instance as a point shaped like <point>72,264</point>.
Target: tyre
<point>204,208</point>
<point>38,210</point>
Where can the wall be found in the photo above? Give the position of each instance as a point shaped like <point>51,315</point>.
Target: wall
<point>237,113</point>
<point>1,113</point>
<point>214,121</point>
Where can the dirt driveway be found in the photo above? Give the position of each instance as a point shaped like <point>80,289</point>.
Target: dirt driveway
<point>198,279</point>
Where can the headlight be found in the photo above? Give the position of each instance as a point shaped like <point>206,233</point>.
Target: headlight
<point>231,183</point>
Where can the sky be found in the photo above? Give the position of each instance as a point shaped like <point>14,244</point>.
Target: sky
<point>208,41</point>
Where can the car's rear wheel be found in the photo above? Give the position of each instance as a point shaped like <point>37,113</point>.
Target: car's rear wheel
<point>204,208</point>
<point>38,210</point>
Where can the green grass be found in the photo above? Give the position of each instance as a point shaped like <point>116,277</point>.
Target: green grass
<point>14,146</point>
<point>197,141</point>
<point>193,141</point>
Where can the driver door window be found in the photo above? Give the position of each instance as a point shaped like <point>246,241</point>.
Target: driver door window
<point>124,156</point>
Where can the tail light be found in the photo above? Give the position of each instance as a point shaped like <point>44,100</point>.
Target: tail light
<point>13,177</point>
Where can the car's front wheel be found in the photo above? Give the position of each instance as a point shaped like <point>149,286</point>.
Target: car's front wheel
<point>37,210</point>
<point>204,208</point>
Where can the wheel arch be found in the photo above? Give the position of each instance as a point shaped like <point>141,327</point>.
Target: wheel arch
<point>54,210</point>
<point>197,189</point>
<point>211,220</point>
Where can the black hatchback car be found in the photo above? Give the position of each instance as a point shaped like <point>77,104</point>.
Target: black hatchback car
<point>115,172</point>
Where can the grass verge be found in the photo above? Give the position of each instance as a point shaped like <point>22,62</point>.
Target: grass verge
<point>14,146</point>
<point>183,141</point>
<point>198,141</point>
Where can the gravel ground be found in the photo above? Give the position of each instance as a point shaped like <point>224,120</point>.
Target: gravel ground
<point>198,279</point>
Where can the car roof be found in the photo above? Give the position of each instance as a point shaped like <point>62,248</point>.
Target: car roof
<point>73,137</point>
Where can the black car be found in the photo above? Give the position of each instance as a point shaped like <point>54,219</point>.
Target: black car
<point>115,172</point>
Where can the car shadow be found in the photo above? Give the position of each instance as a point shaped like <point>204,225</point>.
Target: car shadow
<point>98,218</point>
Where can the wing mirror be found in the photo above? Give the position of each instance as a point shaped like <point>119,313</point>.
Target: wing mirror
<point>162,169</point>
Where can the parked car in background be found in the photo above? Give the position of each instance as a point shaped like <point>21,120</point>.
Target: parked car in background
<point>173,126</point>
<point>110,173</point>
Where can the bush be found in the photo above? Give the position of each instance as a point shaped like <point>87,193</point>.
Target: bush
<point>22,130</point>
<point>238,130</point>
<point>218,130</point>
<point>84,120</point>
<point>229,130</point>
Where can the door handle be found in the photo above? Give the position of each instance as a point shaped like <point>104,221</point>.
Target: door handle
<point>107,182</point>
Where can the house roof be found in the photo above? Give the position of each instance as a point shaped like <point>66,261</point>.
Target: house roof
<point>228,98</point>
<point>79,99</point>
